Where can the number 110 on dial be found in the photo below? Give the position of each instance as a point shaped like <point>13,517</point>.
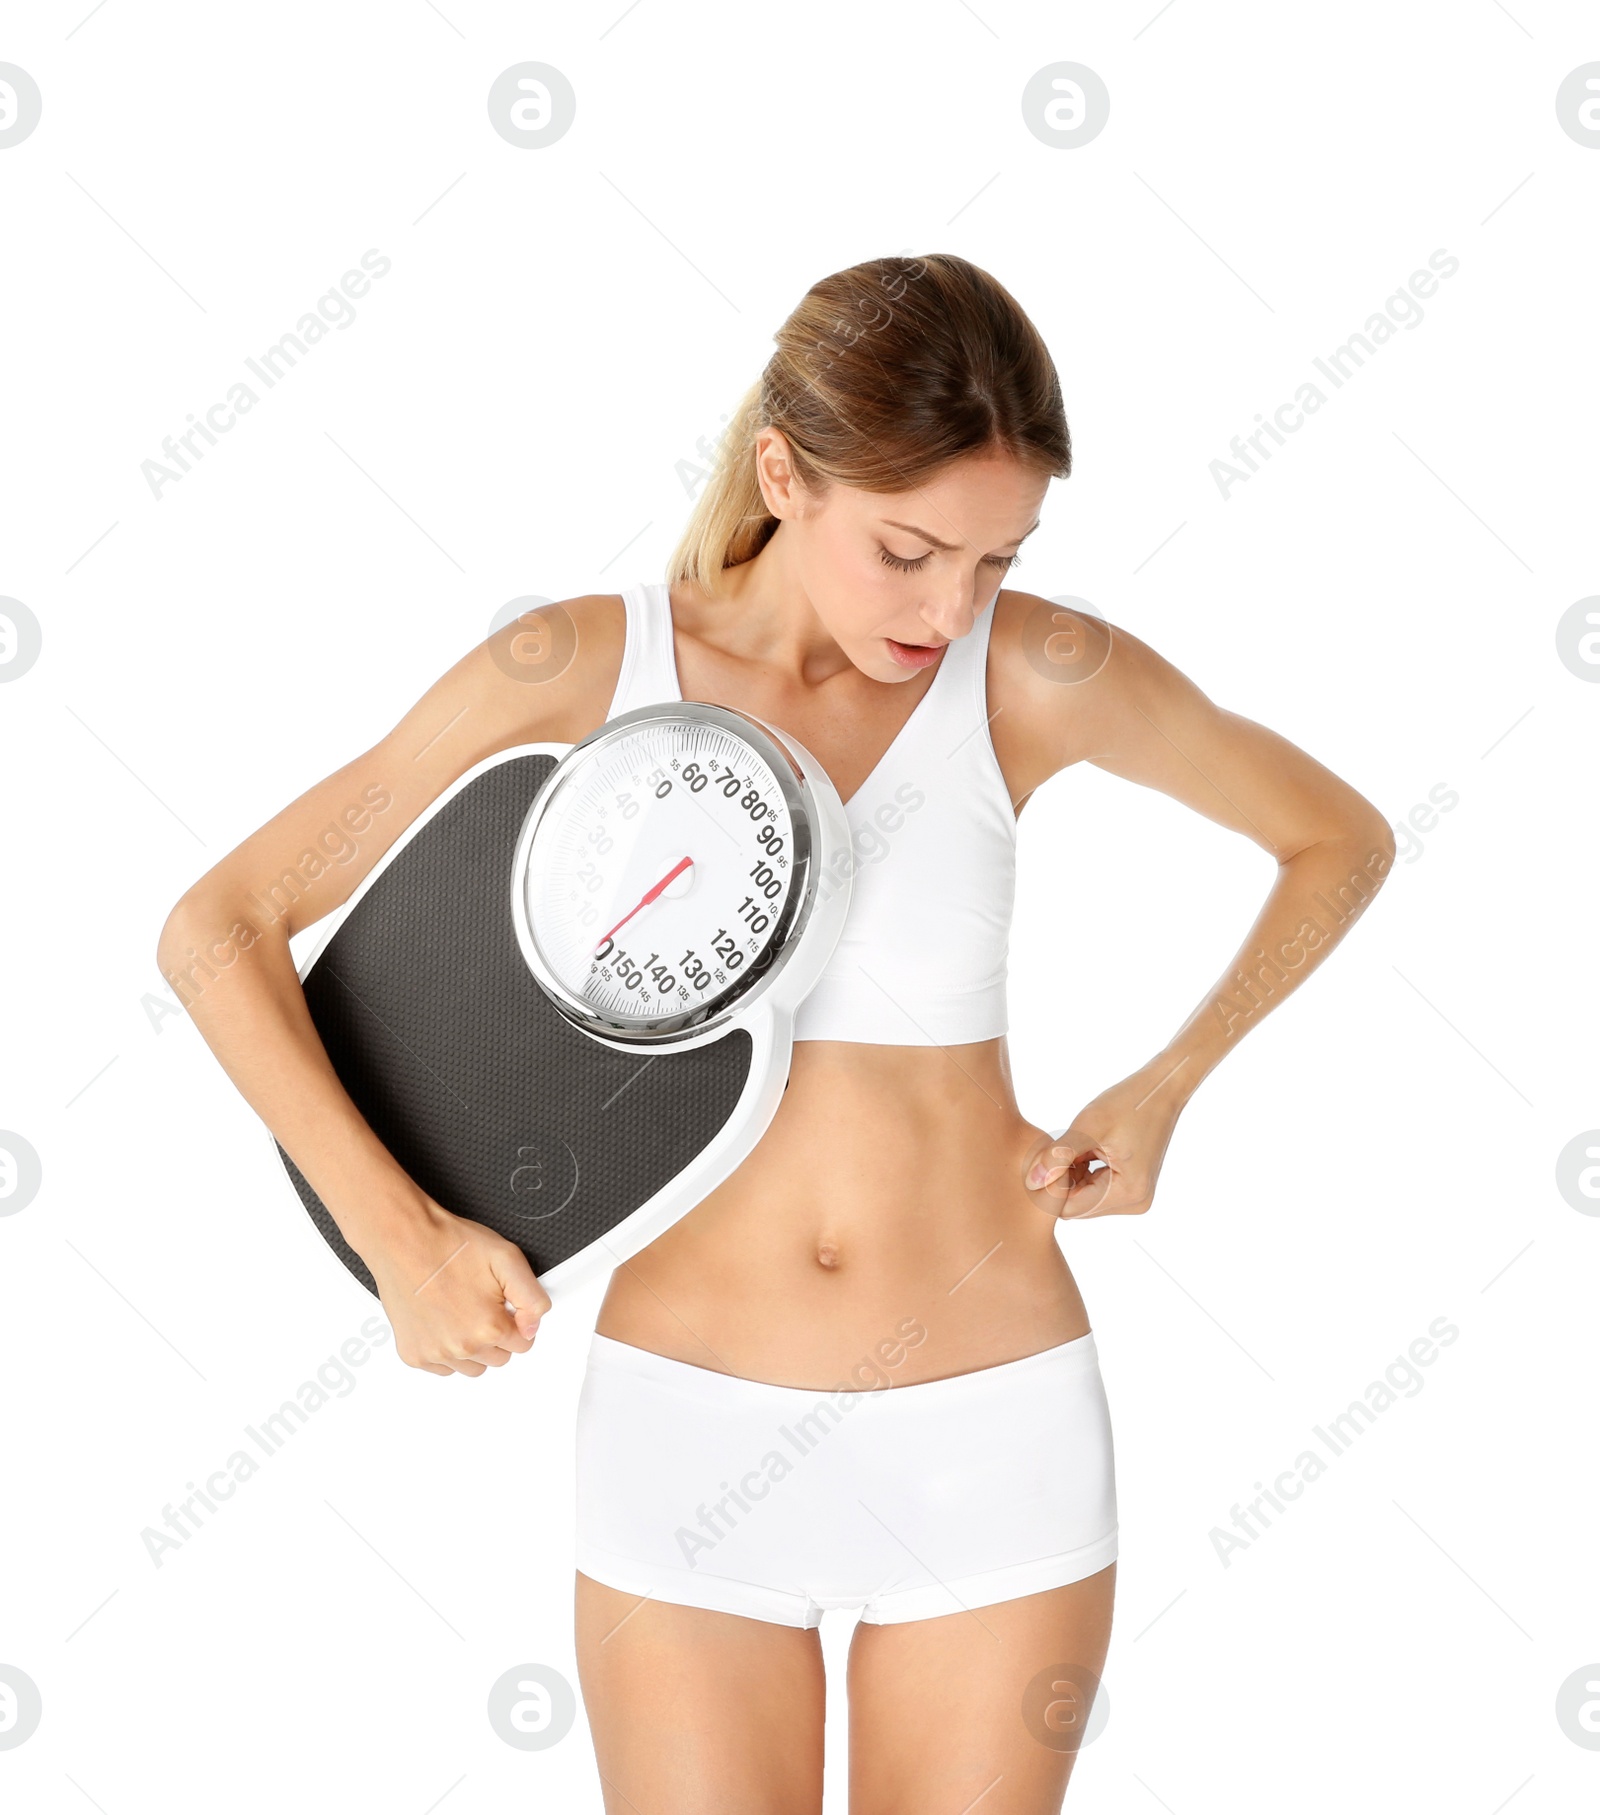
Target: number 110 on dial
<point>661,870</point>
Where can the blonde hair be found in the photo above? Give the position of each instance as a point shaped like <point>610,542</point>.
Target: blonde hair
<point>885,373</point>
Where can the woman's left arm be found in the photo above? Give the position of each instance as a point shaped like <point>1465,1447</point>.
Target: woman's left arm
<point>1142,719</point>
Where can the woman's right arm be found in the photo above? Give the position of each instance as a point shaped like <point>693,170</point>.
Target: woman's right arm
<point>225,952</point>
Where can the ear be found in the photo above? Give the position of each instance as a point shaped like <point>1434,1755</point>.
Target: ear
<point>781,490</point>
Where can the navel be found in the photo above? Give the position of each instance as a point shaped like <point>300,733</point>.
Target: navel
<point>827,1255</point>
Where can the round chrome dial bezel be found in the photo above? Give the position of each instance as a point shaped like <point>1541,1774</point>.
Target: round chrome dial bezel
<point>736,1000</point>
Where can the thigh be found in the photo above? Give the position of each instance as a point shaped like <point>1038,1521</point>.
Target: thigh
<point>699,1713</point>
<point>947,1711</point>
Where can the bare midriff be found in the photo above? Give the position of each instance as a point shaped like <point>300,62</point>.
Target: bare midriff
<point>880,1232</point>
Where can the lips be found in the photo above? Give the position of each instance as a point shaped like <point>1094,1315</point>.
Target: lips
<point>914,655</point>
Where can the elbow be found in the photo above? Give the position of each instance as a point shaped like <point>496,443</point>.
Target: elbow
<point>1377,840</point>
<point>194,943</point>
<point>1369,851</point>
<point>210,928</point>
<point>1357,851</point>
<point>1360,834</point>
<point>176,942</point>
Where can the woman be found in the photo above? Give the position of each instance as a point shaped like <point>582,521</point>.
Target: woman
<point>859,1373</point>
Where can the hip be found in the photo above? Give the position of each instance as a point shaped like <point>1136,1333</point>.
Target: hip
<point>926,1317</point>
<point>719,1491</point>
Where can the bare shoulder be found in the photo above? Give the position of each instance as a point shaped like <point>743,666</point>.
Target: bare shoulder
<point>552,671</point>
<point>1059,676</point>
<point>546,677</point>
<point>1066,686</point>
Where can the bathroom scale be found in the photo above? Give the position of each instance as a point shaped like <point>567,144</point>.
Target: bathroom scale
<point>564,1000</point>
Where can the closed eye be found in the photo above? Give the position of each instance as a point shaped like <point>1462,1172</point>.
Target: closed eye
<point>1003,562</point>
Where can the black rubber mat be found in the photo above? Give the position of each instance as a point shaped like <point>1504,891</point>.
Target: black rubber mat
<point>499,1108</point>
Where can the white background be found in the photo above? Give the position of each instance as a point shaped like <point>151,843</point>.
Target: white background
<point>516,410</point>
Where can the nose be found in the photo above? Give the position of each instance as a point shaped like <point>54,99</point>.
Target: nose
<point>954,614</point>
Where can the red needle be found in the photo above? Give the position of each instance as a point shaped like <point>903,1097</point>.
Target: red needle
<point>677,870</point>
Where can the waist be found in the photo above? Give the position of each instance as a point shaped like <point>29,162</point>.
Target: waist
<point>867,995</point>
<point>884,1206</point>
<point>716,1387</point>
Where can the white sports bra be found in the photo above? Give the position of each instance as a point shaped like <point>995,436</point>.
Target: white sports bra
<point>922,958</point>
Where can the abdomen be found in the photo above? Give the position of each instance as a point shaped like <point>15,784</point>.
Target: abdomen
<point>880,1228</point>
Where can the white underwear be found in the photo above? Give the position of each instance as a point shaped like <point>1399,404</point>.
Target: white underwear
<point>778,1502</point>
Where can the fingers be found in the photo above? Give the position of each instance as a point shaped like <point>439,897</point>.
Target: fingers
<point>1049,1165</point>
<point>1087,1180</point>
<point>488,1357</point>
<point>464,1353</point>
<point>1084,1181</point>
<point>471,1353</point>
<point>1107,1192</point>
<point>477,1312</point>
<point>1064,1168</point>
<point>527,1299</point>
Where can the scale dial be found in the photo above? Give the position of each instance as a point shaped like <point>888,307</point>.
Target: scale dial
<point>663,870</point>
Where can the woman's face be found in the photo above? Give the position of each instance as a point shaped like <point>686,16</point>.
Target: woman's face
<point>884,570</point>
